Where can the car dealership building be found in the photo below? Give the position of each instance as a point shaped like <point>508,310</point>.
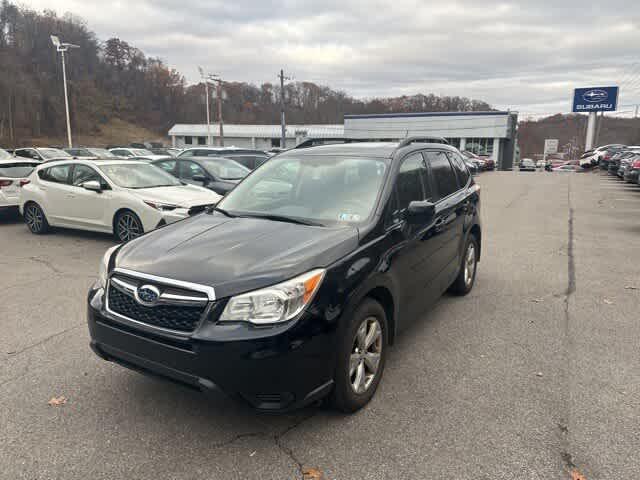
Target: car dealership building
<point>484,133</point>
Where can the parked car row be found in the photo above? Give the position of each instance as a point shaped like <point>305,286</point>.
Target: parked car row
<point>624,164</point>
<point>482,162</point>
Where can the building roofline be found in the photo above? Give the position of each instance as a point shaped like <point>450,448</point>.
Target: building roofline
<point>429,114</point>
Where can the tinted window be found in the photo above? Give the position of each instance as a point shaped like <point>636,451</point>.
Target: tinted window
<point>187,140</point>
<point>25,154</point>
<point>57,174</point>
<point>83,173</point>
<point>443,175</point>
<point>459,167</point>
<point>411,181</point>
<point>188,170</point>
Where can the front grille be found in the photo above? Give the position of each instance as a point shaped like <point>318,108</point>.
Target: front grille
<point>198,209</point>
<point>178,317</point>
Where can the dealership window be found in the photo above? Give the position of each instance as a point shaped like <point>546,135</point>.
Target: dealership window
<point>275,142</point>
<point>187,141</point>
<point>480,146</point>
<point>202,140</point>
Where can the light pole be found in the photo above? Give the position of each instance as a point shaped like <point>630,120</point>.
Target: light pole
<point>212,77</point>
<point>205,78</point>
<point>62,48</point>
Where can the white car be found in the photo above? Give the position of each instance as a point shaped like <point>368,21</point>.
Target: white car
<point>540,164</point>
<point>42,154</point>
<point>527,165</point>
<point>13,175</point>
<point>123,197</point>
<point>126,152</point>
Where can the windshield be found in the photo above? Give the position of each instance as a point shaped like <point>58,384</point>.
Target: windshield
<point>53,153</point>
<point>140,152</point>
<point>16,170</point>
<point>138,175</point>
<point>226,169</point>
<point>100,152</point>
<point>79,152</point>
<point>315,188</point>
<point>4,155</point>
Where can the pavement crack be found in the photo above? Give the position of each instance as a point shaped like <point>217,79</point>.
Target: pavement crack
<point>277,438</point>
<point>235,438</point>
<point>46,263</point>
<point>16,353</point>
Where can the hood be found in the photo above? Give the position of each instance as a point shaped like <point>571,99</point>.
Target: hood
<point>235,255</point>
<point>181,195</point>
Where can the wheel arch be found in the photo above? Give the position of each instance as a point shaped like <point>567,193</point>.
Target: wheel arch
<point>118,212</point>
<point>383,296</point>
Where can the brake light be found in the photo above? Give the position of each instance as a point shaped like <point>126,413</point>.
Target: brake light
<point>607,156</point>
<point>24,182</point>
<point>636,164</point>
<point>5,183</point>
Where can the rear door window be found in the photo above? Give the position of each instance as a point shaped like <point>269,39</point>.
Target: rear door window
<point>442,173</point>
<point>459,167</point>
<point>57,174</point>
<point>16,170</point>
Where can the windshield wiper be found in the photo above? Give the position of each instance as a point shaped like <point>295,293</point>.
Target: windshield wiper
<point>221,210</point>
<point>282,218</point>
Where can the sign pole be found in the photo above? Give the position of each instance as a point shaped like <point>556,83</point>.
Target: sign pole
<point>591,131</point>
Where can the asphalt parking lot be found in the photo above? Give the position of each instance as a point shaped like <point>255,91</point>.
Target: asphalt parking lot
<point>536,373</point>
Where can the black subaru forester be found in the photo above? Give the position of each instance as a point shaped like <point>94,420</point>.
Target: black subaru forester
<point>292,288</point>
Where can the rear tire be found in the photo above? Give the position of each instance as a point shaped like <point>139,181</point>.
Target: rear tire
<point>361,357</point>
<point>127,226</point>
<point>463,283</point>
<point>35,219</point>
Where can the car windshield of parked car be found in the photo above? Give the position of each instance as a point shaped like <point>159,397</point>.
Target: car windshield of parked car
<point>4,155</point>
<point>141,152</point>
<point>226,169</point>
<point>100,152</point>
<point>320,189</point>
<point>138,175</point>
<point>16,170</point>
<point>53,153</point>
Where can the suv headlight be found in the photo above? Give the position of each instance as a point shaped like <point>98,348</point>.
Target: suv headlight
<point>103,272</point>
<point>274,304</point>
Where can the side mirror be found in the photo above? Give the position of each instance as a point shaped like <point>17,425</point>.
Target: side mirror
<point>92,185</point>
<point>199,178</point>
<point>420,212</point>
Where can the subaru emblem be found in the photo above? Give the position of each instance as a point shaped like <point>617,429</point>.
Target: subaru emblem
<point>147,295</point>
<point>595,96</point>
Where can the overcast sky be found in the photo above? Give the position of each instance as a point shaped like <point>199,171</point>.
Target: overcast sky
<point>523,55</point>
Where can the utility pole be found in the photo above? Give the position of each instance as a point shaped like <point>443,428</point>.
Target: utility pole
<point>207,78</point>
<point>283,136</point>
<point>62,48</point>
<point>591,131</point>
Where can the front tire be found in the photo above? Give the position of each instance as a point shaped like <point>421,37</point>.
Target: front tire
<point>361,357</point>
<point>35,219</point>
<point>127,226</point>
<point>467,275</point>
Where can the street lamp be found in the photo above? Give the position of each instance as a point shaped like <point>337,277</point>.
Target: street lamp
<point>62,48</point>
<point>212,77</point>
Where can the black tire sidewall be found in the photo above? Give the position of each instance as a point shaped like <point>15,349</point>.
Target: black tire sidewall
<point>117,219</point>
<point>343,397</point>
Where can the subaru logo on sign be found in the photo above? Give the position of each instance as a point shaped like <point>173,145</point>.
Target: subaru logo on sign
<point>595,96</point>
<point>147,295</point>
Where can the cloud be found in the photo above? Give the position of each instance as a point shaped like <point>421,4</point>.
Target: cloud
<point>524,55</point>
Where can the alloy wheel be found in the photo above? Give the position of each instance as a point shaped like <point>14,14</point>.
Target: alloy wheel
<point>470,264</point>
<point>128,227</point>
<point>34,218</point>
<point>365,355</point>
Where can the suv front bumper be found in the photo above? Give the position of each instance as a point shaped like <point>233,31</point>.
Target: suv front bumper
<point>272,369</point>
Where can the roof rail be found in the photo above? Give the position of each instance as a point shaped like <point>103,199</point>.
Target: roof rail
<point>428,139</point>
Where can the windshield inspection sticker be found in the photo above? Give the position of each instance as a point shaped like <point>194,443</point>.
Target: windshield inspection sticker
<point>349,217</point>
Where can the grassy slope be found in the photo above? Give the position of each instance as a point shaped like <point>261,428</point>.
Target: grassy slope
<point>116,132</point>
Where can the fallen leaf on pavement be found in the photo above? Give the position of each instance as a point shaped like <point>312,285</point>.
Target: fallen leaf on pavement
<point>607,301</point>
<point>57,401</point>
<point>311,474</point>
<point>576,475</point>
<point>538,374</point>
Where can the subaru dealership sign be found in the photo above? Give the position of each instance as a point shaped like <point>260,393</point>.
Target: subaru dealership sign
<point>596,99</point>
